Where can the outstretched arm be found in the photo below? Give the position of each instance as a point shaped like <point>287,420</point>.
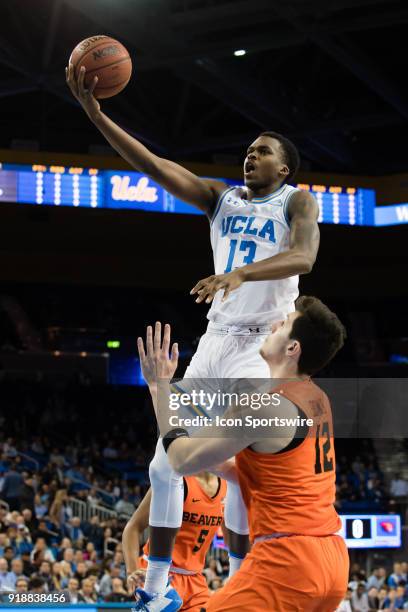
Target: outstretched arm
<point>180,182</point>
<point>131,538</point>
<point>298,259</point>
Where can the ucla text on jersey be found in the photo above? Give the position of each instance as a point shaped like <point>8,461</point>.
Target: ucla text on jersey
<point>245,231</point>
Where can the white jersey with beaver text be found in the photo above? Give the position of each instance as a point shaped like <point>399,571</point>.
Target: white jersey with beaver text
<point>243,232</point>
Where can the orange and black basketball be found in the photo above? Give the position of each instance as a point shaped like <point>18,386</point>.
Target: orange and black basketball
<point>105,58</point>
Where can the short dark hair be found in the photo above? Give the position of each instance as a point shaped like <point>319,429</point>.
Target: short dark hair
<point>290,153</point>
<point>320,333</point>
<point>36,582</point>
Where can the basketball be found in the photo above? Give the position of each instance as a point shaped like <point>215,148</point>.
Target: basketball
<point>105,58</point>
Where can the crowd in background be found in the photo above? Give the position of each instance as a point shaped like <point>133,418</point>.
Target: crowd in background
<point>58,449</point>
<point>383,589</point>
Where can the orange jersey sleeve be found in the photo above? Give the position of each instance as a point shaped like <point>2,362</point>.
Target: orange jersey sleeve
<point>294,491</point>
<point>202,516</point>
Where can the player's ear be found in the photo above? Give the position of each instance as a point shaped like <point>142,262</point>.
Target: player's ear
<point>294,349</point>
<point>284,171</point>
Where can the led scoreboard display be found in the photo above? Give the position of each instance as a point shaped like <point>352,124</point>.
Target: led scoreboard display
<point>371,530</point>
<point>71,186</point>
<point>53,185</point>
<point>359,531</point>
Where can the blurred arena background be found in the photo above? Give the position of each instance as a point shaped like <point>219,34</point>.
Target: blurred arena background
<point>85,268</point>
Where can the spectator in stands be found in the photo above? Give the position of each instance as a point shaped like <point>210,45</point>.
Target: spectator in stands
<point>356,578</point>
<point>27,494</point>
<point>87,593</point>
<point>23,541</point>
<point>390,599</point>
<point>37,585</point>
<point>57,458</point>
<point>359,599</point>
<point>57,576</point>
<point>12,484</point>
<point>68,557</point>
<point>17,569</point>
<point>45,572</point>
<point>119,561</point>
<point>65,543</point>
<point>345,605</point>
<point>377,578</point>
<point>373,600</point>
<point>395,578</point>
<point>73,590</point>
<point>7,580</point>
<point>124,506</point>
<point>40,507</point>
<point>81,571</point>
<point>21,585</point>
<point>399,486</point>
<point>30,520</point>
<point>41,553</point>
<point>400,598</point>
<point>43,532</point>
<point>90,554</point>
<point>94,532</point>
<point>73,529</point>
<point>58,510</point>
<point>382,595</point>
<point>118,594</point>
<point>92,497</point>
<point>3,524</point>
<point>105,584</point>
<point>8,555</point>
<point>93,577</point>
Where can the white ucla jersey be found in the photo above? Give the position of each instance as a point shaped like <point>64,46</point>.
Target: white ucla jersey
<point>243,232</point>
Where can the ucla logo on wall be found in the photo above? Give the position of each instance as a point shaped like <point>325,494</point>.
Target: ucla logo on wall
<point>123,191</point>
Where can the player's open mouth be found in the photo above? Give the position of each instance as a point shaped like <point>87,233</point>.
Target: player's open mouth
<point>249,167</point>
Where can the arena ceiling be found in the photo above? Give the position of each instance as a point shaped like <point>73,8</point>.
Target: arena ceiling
<point>328,73</point>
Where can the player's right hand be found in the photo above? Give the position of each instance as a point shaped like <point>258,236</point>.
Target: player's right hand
<point>84,95</point>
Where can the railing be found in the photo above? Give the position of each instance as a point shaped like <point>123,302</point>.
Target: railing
<point>85,511</point>
<point>97,489</point>
<point>28,458</point>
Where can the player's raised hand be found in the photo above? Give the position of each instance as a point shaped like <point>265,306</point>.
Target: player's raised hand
<point>208,287</point>
<point>84,95</point>
<point>157,362</point>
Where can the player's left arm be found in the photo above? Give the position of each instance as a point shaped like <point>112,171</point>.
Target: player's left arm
<point>304,238</point>
<point>189,456</point>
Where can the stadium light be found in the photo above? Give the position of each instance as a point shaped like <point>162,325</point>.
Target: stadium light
<point>239,52</point>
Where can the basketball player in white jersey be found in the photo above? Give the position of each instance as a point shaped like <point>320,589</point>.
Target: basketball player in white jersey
<point>263,236</point>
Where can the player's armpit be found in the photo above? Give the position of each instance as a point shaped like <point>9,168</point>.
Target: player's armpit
<point>303,244</point>
<point>183,184</point>
<point>304,236</point>
<point>226,470</point>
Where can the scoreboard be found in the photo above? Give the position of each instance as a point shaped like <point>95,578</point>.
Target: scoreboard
<point>359,531</point>
<point>93,188</point>
<point>371,530</point>
<point>52,185</point>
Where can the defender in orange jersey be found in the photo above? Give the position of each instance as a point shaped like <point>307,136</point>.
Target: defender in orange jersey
<point>297,563</point>
<point>202,516</point>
